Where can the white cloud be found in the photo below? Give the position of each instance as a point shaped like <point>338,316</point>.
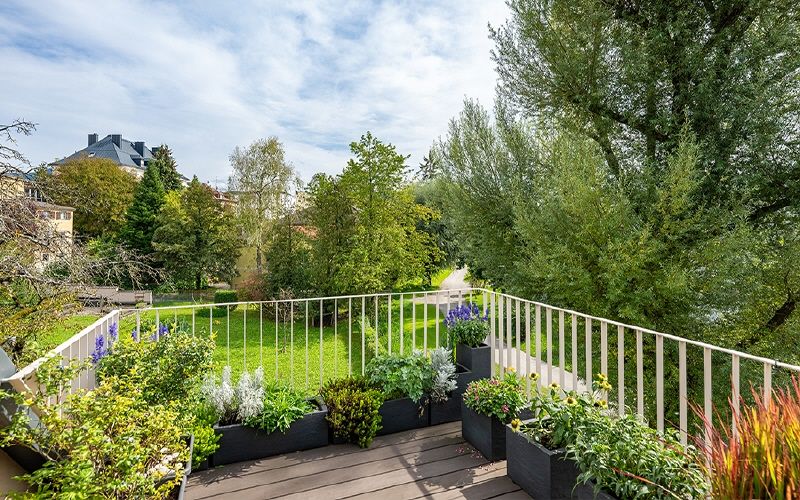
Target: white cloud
<point>204,77</point>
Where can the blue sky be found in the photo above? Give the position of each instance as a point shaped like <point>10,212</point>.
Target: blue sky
<point>206,76</point>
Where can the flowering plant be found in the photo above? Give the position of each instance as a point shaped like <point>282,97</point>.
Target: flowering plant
<point>500,397</point>
<point>465,325</point>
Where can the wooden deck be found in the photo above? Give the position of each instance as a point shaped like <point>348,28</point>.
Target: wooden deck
<point>433,462</point>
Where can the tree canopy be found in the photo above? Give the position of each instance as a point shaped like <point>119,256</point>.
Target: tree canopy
<point>142,214</point>
<point>167,168</point>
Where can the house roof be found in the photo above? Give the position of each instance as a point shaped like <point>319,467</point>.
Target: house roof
<point>124,154</point>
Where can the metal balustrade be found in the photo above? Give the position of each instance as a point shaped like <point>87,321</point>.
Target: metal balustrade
<point>530,336</point>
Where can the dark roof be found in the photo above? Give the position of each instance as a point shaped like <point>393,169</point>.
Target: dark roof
<point>124,154</point>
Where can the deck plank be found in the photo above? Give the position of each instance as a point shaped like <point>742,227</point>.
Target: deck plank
<point>432,462</point>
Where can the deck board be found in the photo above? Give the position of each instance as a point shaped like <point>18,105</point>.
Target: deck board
<point>433,462</point>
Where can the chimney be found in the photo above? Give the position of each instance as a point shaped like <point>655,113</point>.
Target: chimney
<point>139,147</point>
<point>92,139</point>
<point>116,139</point>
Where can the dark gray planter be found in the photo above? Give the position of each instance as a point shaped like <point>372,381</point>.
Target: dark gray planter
<point>486,434</point>
<point>450,410</point>
<point>398,415</point>
<point>478,360</point>
<point>545,473</point>
<point>239,443</point>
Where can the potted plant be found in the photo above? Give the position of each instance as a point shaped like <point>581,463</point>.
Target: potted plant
<point>257,421</point>
<point>404,382</point>
<point>575,447</point>
<point>449,383</point>
<point>487,405</point>
<point>467,331</point>
<point>353,410</point>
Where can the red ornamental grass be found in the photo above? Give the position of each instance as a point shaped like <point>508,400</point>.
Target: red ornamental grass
<point>763,459</point>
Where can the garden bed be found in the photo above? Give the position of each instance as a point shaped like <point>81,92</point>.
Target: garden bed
<point>450,410</point>
<point>239,443</point>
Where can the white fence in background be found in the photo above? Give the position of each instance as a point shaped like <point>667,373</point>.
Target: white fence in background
<point>563,346</point>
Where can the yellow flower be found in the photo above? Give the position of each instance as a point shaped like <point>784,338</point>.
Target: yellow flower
<point>554,386</point>
<point>602,377</point>
<point>511,369</point>
<point>571,401</point>
<point>605,386</point>
<point>601,403</point>
<point>534,376</point>
<point>515,424</point>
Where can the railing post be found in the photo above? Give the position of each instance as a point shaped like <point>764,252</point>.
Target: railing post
<point>621,370</point>
<point>639,375</point>
<point>660,383</point>
<point>561,362</point>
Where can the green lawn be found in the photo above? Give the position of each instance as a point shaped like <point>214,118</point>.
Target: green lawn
<point>66,328</point>
<point>292,353</point>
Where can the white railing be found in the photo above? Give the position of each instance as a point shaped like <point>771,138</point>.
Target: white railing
<point>563,346</point>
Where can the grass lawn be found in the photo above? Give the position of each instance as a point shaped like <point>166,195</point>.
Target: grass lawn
<point>66,329</point>
<point>304,356</point>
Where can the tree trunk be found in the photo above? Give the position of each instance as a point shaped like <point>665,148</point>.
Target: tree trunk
<point>258,258</point>
<point>198,281</point>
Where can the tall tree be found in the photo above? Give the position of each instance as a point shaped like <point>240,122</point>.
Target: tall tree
<point>261,179</point>
<point>98,190</point>
<point>196,237</point>
<point>167,168</point>
<point>142,214</point>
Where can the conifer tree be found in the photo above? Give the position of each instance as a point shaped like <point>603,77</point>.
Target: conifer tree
<point>167,168</point>
<point>140,219</point>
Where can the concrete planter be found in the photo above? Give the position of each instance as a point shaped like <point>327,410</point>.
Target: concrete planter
<point>478,360</point>
<point>398,415</point>
<point>239,443</point>
<point>450,410</point>
<point>545,473</point>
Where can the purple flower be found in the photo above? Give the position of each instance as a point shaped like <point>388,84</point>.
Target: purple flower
<point>464,312</point>
<point>163,329</point>
<point>505,408</point>
<point>113,331</point>
<point>100,349</point>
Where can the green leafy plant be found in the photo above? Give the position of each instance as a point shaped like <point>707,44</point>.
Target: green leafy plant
<point>401,376</point>
<point>444,374</point>
<point>500,397</point>
<point>105,443</point>
<point>234,403</point>
<point>353,406</point>
<point>206,441</point>
<point>763,459</point>
<point>619,454</point>
<point>466,325</point>
<point>281,406</point>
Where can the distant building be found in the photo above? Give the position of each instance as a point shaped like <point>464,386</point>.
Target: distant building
<point>132,157</point>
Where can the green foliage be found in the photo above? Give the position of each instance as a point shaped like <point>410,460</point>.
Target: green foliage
<point>165,370</point>
<point>282,406</point>
<point>444,374</point>
<point>288,263</point>
<point>620,454</point>
<point>167,168</point>
<point>206,440</point>
<point>141,216</point>
<point>196,237</point>
<point>224,297</point>
<point>353,409</point>
<point>98,190</point>
<point>471,332</point>
<point>107,443</point>
<point>499,397</point>
<point>397,376</point>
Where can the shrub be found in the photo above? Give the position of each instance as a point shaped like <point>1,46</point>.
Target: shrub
<point>620,454</point>
<point>206,441</point>
<point>223,297</point>
<point>500,397</point>
<point>106,443</point>
<point>400,376</point>
<point>353,409</point>
<point>167,367</point>
<point>465,325</point>
<point>763,459</point>
<point>444,374</point>
<point>281,406</point>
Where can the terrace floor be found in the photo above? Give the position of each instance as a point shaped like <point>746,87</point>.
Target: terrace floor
<point>433,462</point>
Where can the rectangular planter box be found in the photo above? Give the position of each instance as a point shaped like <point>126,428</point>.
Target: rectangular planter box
<point>478,360</point>
<point>486,434</point>
<point>398,415</point>
<point>450,410</point>
<point>239,443</point>
<point>544,473</point>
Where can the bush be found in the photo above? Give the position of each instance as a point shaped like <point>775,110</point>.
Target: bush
<point>281,406</point>
<point>106,443</point>
<point>763,459</point>
<point>353,409</point>
<point>500,397</point>
<point>444,374</point>
<point>401,376</point>
<point>465,325</point>
<point>620,454</point>
<point>234,404</point>
<point>167,366</point>
<point>223,297</point>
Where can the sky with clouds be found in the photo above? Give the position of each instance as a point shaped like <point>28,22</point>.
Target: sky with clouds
<point>207,76</point>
